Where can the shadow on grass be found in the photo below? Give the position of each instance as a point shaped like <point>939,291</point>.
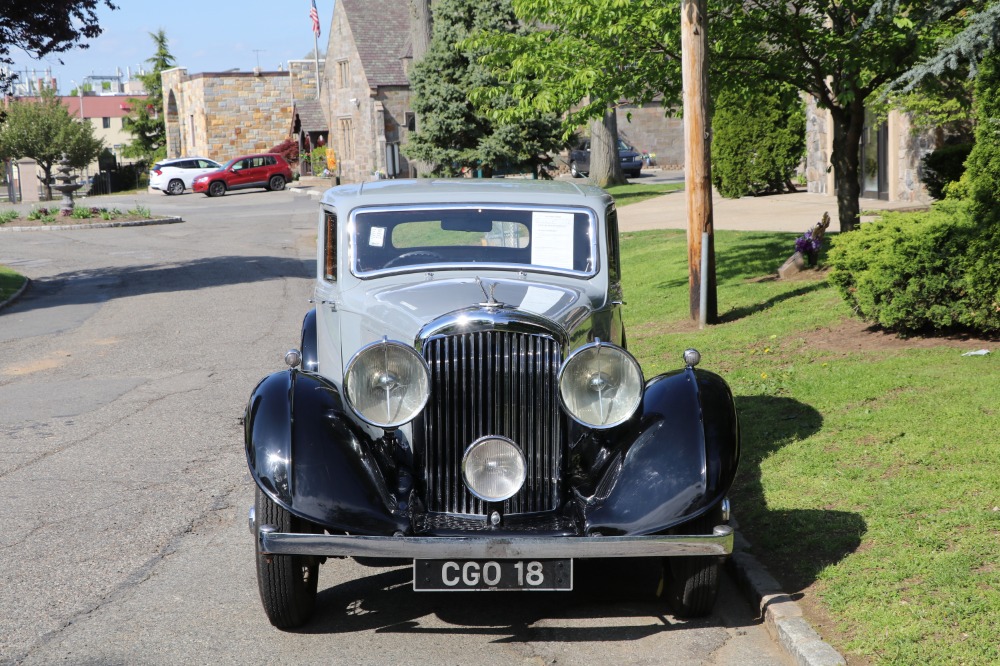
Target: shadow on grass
<point>747,310</point>
<point>797,544</point>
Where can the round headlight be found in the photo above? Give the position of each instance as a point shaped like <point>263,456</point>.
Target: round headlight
<point>600,385</point>
<point>493,468</point>
<point>387,383</point>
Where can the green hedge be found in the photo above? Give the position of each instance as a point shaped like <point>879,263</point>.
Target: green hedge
<point>921,272</point>
<point>757,142</point>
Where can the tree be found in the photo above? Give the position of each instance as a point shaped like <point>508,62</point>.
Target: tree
<point>581,59</point>
<point>42,28</point>
<point>44,131</point>
<point>146,119</point>
<point>840,53</point>
<point>453,134</point>
<point>983,165</point>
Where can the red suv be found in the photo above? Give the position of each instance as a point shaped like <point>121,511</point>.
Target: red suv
<point>265,170</point>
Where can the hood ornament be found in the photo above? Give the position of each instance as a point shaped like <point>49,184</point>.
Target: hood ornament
<point>491,301</point>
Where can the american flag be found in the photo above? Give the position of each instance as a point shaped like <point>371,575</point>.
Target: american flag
<point>314,15</point>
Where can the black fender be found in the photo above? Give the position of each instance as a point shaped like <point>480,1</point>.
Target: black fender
<point>309,344</point>
<point>311,459</point>
<point>679,463</point>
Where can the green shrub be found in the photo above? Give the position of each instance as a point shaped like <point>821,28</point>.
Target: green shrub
<point>984,160</point>
<point>929,271</point>
<point>943,167</point>
<point>81,213</point>
<point>8,215</point>
<point>757,142</point>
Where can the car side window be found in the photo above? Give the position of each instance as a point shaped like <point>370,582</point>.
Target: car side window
<point>330,246</point>
<point>269,161</point>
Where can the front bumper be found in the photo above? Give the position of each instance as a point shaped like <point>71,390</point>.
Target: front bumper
<point>270,542</point>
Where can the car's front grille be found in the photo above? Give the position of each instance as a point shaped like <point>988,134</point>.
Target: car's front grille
<point>491,383</point>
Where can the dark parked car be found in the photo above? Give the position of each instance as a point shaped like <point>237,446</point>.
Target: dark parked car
<point>579,159</point>
<point>463,402</point>
<point>268,170</point>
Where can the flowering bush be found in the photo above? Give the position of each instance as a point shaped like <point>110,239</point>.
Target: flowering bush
<point>808,246</point>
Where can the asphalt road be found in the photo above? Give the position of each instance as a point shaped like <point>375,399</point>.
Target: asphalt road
<point>124,371</point>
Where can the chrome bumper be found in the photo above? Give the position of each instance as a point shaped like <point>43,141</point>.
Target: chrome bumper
<point>270,542</point>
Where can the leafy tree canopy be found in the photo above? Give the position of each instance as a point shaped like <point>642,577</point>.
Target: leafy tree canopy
<point>44,131</point>
<point>583,57</point>
<point>453,133</point>
<point>145,121</point>
<point>44,27</point>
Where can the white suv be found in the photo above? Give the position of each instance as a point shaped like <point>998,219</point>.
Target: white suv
<point>175,175</point>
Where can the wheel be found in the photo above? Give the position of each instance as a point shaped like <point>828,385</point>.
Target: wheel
<point>406,257</point>
<point>276,183</point>
<point>287,583</point>
<point>574,171</point>
<point>691,584</point>
<point>175,186</point>
<point>217,189</point>
<point>634,174</point>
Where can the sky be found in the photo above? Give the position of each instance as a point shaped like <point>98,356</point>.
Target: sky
<point>202,35</point>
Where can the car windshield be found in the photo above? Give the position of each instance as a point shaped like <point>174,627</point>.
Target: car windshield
<point>624,146</point>
<point>549,238</point>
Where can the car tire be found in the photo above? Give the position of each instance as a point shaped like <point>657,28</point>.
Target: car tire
<point>574,171</point>
<point>276,183</point>
<point>287,583</point>
<point>217,189</point>
<point>691,583</point>
<point>634,174</point>
<point>175,186</point>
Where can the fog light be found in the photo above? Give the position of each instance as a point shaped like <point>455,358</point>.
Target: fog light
<point>493,468</point>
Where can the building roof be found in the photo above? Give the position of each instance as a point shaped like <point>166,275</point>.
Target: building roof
<point>311,118</point>
<point>100,106</point>
<point>381,31</point>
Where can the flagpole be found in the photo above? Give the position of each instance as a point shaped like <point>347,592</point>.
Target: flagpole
<point>316,56</point>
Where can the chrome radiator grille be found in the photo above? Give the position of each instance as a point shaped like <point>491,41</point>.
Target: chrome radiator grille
<point>491,383</point>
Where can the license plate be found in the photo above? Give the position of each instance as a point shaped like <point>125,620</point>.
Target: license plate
<point>454,575</point>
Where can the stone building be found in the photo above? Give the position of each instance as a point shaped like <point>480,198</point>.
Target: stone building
<point>366,93</point>
<point>221,115</point>
<point>890,156</point>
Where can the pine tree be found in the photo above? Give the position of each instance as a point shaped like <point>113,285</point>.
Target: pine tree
<point>145,121</point>
<point>454,135</point>
<point>983,164</point>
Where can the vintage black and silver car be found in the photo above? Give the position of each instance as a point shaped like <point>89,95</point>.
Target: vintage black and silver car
<point>463,401</point>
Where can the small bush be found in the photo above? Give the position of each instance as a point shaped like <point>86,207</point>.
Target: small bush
<point>80,213</point>
<point>139,211</point>
<point>289,149</point>
<point>944,166</point>
<point>918,272</point>
<point>8,215</point>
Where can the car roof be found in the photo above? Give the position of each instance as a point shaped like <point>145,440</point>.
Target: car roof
<point>171,160</point>
<point>424,191</point>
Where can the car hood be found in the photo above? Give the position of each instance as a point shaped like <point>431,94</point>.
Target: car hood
<point>400,311</point>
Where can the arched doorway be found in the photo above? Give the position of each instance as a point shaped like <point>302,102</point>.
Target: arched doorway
<point>173,124</point>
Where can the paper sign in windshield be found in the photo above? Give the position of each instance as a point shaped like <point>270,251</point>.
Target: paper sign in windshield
<point>377,237</point>
<point>552,239</point>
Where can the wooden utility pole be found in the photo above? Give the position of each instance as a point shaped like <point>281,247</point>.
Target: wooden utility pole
<point>697,161</point>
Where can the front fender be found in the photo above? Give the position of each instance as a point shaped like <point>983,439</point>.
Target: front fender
<point>681,462</point>
<point>312,460</point>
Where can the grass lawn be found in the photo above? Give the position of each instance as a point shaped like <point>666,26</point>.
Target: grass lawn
<point>10,282</point>
<point>869,467</point>
<point>634,193</point>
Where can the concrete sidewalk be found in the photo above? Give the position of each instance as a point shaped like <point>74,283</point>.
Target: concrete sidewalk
<point>796,212</point>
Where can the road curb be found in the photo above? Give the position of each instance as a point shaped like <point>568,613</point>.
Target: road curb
<point>97,225</point>
<point>782,616</point>
<point>16,294</point>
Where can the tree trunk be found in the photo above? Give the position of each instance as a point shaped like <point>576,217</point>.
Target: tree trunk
<point>848,124</point>
<point>605,166</point>
<point>47,170</point>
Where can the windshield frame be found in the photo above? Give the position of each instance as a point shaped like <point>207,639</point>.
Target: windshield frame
<point>596,263</point>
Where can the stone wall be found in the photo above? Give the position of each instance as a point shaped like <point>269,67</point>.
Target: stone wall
<point>227,114</point>
<point>651,131</point>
